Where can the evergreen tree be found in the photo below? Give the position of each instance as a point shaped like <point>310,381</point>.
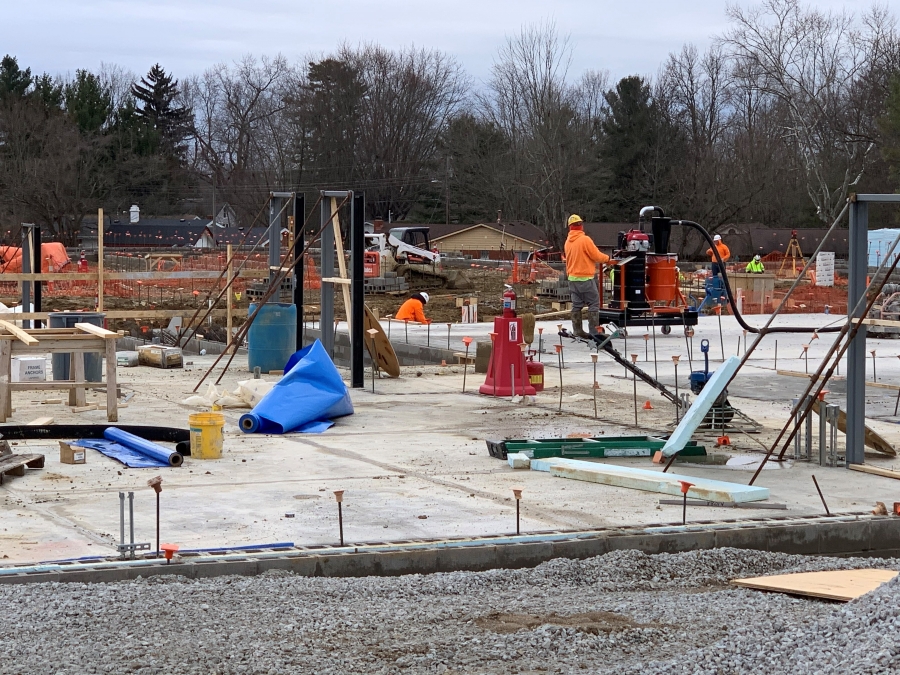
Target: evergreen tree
<point>48,91</point>
<point>14,81</point>
<point>88,102</point>
<point>156,96</point>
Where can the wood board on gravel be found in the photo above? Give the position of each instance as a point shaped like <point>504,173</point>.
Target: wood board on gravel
<point>842,585</point>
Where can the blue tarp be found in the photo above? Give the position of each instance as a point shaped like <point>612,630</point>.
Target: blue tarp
<point>309,396</point>
<point>879,243</point>
<point>133,451</point>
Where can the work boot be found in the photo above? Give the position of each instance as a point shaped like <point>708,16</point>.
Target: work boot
<point>577,324</point>
<point>593,322</point>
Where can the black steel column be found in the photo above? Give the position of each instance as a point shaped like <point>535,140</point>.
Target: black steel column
<point>37,266</point>
<point>299,276</point>
<point>357,287</point>
<point>858,266</point>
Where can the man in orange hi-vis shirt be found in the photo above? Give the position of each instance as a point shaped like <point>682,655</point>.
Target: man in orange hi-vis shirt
<point>414,309</point>
<point>582,256</point>
<point>724,253</point>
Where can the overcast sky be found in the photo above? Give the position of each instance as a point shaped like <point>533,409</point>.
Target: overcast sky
<point>187,36</point>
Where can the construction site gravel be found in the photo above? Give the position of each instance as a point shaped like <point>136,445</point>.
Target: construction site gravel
<point>624,612</point>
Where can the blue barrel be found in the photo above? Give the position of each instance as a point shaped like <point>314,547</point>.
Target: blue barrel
<point>93,362</point>
<point>272,336</point>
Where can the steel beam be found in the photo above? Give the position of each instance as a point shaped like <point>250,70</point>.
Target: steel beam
<point>856,353</point>
<point>357,287</point>
<point>299,211</point>
<point>275,204</point>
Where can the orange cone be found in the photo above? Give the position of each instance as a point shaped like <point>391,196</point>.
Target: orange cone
<point>647,406</point>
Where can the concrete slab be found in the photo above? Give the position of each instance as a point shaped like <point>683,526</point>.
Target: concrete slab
<point>416,448</point>
<point>654,481</point>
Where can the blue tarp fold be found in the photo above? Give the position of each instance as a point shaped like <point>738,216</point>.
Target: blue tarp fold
<point>309,396</point>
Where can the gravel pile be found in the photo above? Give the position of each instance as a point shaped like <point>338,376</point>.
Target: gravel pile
<point>625,612</point>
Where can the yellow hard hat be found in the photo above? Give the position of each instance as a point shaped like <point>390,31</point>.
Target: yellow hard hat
<point>574,219</point>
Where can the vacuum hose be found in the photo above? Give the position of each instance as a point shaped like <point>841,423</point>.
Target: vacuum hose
<point>734,309</point>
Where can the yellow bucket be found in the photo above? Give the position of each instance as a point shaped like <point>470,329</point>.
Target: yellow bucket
<point>206,435</point>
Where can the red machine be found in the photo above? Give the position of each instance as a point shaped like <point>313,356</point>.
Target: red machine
<point>645,280</point>
<point>507,370</point>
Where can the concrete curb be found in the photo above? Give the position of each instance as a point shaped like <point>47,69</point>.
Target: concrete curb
<point>841,536</point>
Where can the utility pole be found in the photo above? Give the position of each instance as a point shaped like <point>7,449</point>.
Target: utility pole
<point>447,192</point>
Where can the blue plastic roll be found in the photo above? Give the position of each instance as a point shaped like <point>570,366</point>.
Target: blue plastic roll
<point>146,448</point>
<point>309,396</point>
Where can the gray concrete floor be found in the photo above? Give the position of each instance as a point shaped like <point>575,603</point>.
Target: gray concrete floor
<point>412,460</point>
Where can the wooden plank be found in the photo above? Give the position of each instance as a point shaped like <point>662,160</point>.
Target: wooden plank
<point>86,408</point>
<point>112,388</point>
<point>5,379</point>
<point>342,264</point>
<point>871,438</point>
<point>841,585</point>
<point>97,331</point>
<point>875,471</point>
<point>40,422</point>
<point>78,361</point>
<point>187,275</point>
<point>14,465</point>
<point>878,322</point>
<point>337,280</point>
<point>136,313</point>
<point>18,332</point>
<point>100,260</point>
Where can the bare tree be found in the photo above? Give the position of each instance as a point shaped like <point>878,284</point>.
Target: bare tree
<point>239,129</point>
<point>549,124</point>
<point>815,63</point>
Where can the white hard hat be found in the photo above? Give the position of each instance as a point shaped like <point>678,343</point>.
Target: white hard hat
<point>718,237</point>
<point>756,257</point>
<point>424,296</point>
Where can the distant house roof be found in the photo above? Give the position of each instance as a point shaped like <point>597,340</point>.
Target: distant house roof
<point>171,232</point>
<point>517,228</point>
<point>520,233</point>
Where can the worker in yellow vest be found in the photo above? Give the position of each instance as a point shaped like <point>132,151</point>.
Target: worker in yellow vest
<point>755,266</point>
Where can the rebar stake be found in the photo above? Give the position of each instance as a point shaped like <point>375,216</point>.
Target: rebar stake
<point>559,349</point>
<point>466,341</point>
<point>517,493</point>
<point>595,386</point>
<point>339,497</point>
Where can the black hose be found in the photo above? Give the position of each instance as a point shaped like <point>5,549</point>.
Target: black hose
<point>734,309</point>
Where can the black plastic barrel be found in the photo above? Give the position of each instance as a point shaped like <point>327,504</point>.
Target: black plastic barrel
<point>93,362</point>
<point>635,279</point>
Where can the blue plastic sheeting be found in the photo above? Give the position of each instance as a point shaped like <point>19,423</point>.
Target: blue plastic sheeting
<point>309,396</point>
<point>879,244</point>
<point>133,451</point>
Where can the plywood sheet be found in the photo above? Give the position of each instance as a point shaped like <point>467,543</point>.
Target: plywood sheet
<point>843,585</point>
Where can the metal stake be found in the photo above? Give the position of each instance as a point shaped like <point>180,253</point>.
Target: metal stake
<point>512,381</point>
<point>339,496</point>
<point>634,381</point>
<point>721,338</point>
<point>466,341</point>
<point>540,344</point>
<point>448,335</point>
<point>559,349</point>
<point>594,385</point>
<point>517,493</point>
<point>677,398</point>
<point>122,518</point>
<point>874,372</point>
<point>655,367</point>
<point>776,355</point>
<point>428,335</point>
<point>406,328</point>
<point>827,512</point>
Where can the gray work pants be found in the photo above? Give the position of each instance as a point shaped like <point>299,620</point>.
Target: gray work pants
<point>585,294</point>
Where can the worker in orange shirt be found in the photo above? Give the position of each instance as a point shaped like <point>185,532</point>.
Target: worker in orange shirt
<point>724,254</point>
<point>582,256</point>
<point>414,309</point>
